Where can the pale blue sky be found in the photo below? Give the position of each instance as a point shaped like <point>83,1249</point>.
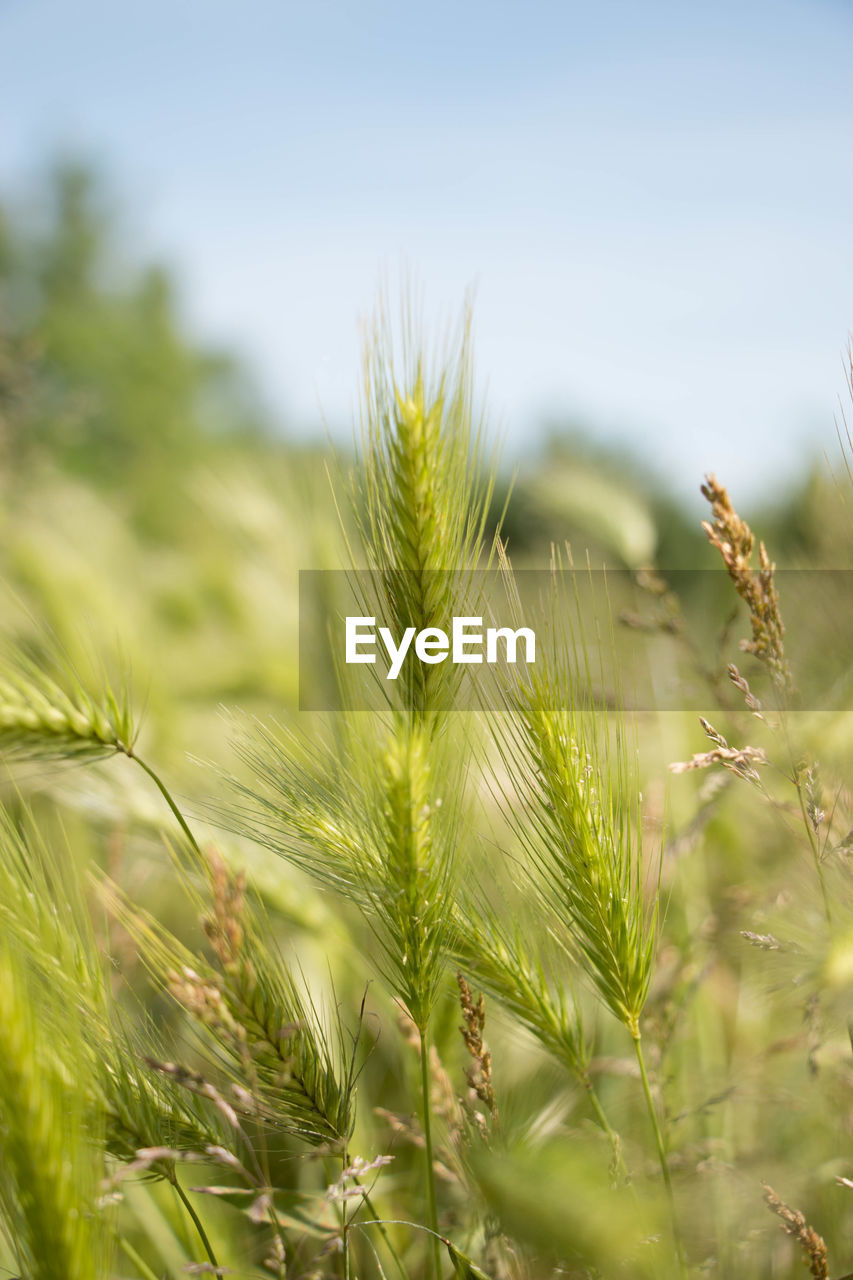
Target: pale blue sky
<point>653,201</point>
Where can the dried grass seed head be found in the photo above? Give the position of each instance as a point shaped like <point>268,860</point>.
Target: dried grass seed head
<point>734,540</point>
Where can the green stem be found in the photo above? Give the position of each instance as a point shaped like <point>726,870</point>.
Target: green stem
<point>432,1204</point>
<point>815,852</point>
<point>197,1223</point>
<point>601,1117</point>
<point>141,1265</point>
<point>813,843</point>
<point>661,1148</point>
<point>161,786</point>
<point>369,1206</point>
<point>344,1234</point>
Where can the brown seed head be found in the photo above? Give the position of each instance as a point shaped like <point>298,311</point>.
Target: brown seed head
<point>795,1225</point>
<point>479,1074</point>
<point>735,541</point>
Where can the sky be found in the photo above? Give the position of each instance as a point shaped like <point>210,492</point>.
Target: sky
<point>651,202</point>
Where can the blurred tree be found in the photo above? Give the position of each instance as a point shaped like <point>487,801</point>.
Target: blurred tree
<point>598,497</point>
<point>118,392</point>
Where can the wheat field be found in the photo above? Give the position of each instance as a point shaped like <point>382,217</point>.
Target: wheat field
<point>551,985</point>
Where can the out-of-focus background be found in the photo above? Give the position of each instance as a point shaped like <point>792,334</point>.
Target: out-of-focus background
<point>651,201</point>
<point>199,204</point>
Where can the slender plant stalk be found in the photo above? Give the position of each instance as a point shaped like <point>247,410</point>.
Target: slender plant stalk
<point>344,1224</point>
<point>371,1209</point>
<point>815,852</point>
<point>432,1203</point>
<point>162,788</point>
<point>197,1222</point>
<point>599,1112</point>
<point>661,1150</point>
<point>601,1117</point>
<point>141,1265</point>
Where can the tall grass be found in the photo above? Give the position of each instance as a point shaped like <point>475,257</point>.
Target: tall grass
<point>449,992</point>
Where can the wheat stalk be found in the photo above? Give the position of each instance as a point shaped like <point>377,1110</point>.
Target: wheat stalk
<point>569,768</point>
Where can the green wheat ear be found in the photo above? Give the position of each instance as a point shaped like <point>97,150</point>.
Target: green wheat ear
<point>46,920</point>
<point>42,715</point>
<point>412,824</point>
<point>374,812</point>
<point>48,1172</point>
<point>498,954</point>
<point>421,494</point>
<point>248,1007</point>
<point>567,763</point>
